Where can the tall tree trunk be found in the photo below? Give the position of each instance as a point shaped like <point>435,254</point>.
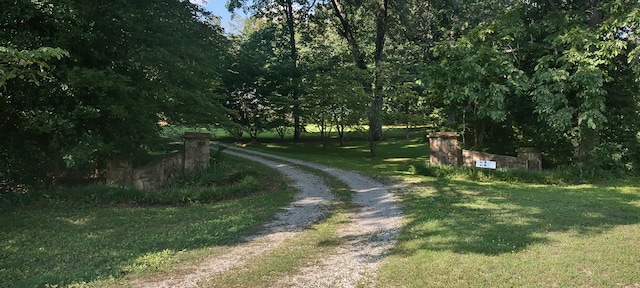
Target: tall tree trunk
<point>406,130</point>
<point>294,61</point>
<point>322,128</point>
<point>478,133</point>
<point>588,137</point>
<point>375,123</point>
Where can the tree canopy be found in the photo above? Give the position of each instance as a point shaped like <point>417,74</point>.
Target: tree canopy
<point>83,80</point>
<point>557,75</point>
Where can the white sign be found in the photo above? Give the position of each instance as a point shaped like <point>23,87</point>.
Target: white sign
<point>486,164</point>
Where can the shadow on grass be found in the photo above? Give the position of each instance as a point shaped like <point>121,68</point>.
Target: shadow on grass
<point>497,218</point>
<point>393,156</point>
<point>64,244</point>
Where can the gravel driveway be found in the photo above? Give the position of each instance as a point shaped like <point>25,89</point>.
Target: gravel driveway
<point>369,236</point>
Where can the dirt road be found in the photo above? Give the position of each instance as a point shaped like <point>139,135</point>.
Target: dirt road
<point>372,231</point>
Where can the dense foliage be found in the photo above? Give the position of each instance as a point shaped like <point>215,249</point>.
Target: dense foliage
<point>82,81</point>
<point>115,71</point>
<point>561,76</point>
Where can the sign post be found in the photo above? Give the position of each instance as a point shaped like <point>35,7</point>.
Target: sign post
<point>486,164</point>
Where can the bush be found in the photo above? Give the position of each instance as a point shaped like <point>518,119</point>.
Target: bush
<point>560,176</point>
<point>90,194</point>
<point>605,162</point>
<point>203,194</point>
<point>216,173</point>
<point>219,182</point>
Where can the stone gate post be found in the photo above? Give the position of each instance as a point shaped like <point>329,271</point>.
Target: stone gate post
<point>444,149</point>
<point>196,151</point>
<point>119,172</point>
<point>532,156</point>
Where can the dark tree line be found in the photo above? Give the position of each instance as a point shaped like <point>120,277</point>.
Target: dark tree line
<point>558,75</point>
<point>82,81</point>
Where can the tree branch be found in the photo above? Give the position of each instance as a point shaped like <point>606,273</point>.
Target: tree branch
<point>355,48</point>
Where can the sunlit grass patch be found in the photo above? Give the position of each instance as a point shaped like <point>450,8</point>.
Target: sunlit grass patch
<point>470,228</point>
<point>461,233</point>
<point>391,158</point>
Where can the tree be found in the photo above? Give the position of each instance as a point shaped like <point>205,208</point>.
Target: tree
<point>572,65</point>
<point>130,65</point>
<point>552,74</point>
<point>22,69</point>
<point>477,78</point>
<point>260,82</point>
<point>381,10</point>
<point>407,105</point>
<point>267,7</point>
<point>334,100</point>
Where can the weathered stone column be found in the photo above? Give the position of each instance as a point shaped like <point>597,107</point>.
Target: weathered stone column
<point>119,172</point>
<point>444,149</point>
<point>532,156</point>
<point>196,151</point>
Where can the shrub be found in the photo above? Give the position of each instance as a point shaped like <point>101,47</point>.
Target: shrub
<point>246,186</point>
<point>206,194</point>
<point>216,173</point>
<point>560,176</point>
<point>606,161</point>
<point>219,182</point>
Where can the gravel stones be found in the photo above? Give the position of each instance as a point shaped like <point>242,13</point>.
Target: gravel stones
<point>369,236</point>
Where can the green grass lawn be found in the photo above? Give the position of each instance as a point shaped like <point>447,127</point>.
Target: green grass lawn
<point>466,234</point>
<point>461,233</point>
<point>458,233</point>
<point>394,156</point>
<point>59,242</point>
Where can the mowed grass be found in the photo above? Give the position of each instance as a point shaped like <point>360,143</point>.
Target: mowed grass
<point>461,233</point>
<point>59,243</point>
<point>394,156</point>
<point>458,233</point>
<point>465,234</point>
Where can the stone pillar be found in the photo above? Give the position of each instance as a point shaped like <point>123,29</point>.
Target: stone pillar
<point>196,151</point>
<point>119,172</point>
<point>532,156</point>
<point>444,149</point>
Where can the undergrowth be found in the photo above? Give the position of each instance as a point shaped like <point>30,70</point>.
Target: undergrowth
<point>220,181</point>
<point>558,176</point>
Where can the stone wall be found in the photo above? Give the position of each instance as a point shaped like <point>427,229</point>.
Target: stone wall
<point>532,156</point>
<point>161,173</point>
<point>469,159</point>
<point>446,151</point>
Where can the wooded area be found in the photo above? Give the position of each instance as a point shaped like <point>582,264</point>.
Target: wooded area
<point>83,81</point>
